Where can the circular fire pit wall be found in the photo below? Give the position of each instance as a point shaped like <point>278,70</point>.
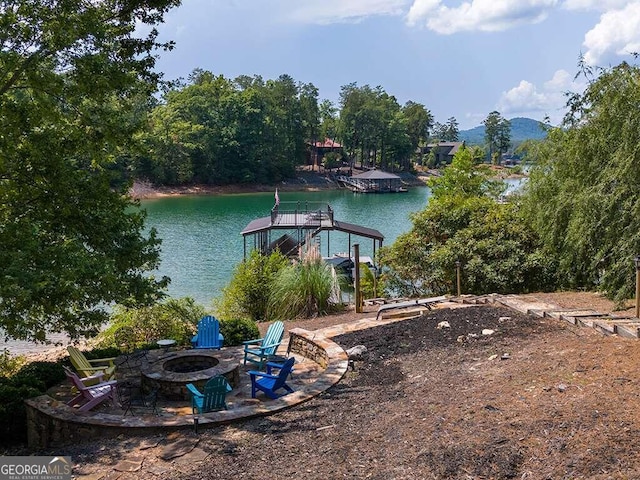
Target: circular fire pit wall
<point>190,364</point>
<point>169,373</point>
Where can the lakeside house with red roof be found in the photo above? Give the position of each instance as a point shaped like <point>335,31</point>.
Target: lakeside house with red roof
<point>319,149</point>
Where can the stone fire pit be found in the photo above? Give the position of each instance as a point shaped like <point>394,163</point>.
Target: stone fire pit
<point>171,372</point>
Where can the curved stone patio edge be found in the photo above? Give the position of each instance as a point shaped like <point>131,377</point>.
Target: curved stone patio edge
<point>53,422</point>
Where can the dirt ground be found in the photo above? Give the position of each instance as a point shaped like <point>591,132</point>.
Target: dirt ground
<point>535,399</point>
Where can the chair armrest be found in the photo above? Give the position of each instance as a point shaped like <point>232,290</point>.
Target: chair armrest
<point>110,383</point>
<point>264,347</point>
<point>109,360</point>
<point>193,390</point>
<point>96,376</point>
<point>251,342</point>
<point>274,364</point>
<point>256,373</point>
<point>96,369</point>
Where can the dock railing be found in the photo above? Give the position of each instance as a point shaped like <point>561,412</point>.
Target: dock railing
<point>301,214</point>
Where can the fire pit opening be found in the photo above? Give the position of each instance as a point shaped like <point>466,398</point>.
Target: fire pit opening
<point>169,373</point>
<point>190,364</point>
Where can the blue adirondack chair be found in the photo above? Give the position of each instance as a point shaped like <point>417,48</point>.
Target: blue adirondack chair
<point>213,397</point>
<point>208,335</point>
<point>259,350</point>
<point>270,384</point>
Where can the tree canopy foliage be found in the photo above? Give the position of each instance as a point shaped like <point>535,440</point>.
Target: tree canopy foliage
<point>377,130</point>
<point>73,74</point>
<point>446,132</point>
<point>464,222</point>
<point>583,197</point>
<point>497,134</point>
<point>214,130</point>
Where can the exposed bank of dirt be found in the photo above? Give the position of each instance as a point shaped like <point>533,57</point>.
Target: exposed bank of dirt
<point>305,180</point>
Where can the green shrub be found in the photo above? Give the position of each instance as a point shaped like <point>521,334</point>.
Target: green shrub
<point>370,286</point>
<point>176,319</point>
<point>13,413</point>
<point>238,330</point>
<point>41,375</point>
<point>108,352</point>
<point>247,294</point>
<point>31,380</point>
<point>10,364</point>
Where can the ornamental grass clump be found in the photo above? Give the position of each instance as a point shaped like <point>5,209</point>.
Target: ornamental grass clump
<point>305,289</point>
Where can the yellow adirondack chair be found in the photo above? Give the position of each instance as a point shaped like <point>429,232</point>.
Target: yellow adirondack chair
<point>86,367</point>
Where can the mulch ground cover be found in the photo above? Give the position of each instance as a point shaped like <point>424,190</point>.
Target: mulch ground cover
<point>489,394</point>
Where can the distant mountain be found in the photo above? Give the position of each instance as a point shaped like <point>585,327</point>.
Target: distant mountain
<point>521,129</point>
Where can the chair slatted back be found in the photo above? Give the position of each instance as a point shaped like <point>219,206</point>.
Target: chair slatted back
<point>215,391</point>
<point>273,337</point>
<point>283,374</point>
<point>75,380</point>
<point>208,332</point>
<point>79,361</point>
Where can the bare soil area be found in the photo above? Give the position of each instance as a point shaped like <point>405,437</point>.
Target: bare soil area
<point>534,399</point>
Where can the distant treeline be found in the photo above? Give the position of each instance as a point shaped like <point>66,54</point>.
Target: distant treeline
<point>214,130</point>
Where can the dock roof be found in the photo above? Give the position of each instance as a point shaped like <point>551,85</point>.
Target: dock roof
<point>376,175</point>
<point>264,223</point>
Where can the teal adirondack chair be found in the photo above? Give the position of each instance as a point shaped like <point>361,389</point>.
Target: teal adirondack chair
<point>270,384</point>
<point>208,335</point>
<point>259,350</point>
<point>213,397</point>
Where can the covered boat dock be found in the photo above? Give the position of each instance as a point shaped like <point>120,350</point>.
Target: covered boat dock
<point>292,224</point>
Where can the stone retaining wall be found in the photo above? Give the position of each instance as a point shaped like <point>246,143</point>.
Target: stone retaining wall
<point>306,344</point>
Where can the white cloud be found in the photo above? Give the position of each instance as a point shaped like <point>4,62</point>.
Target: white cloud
<point>478,15</point>
<point>595,5</point>
<point>526,99</point>
<point>335,11</point>
<point>617,34</point>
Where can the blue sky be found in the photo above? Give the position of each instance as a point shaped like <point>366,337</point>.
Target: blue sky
<point>458,58</point>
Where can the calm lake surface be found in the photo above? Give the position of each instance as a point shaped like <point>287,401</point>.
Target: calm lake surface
<point>201,240</point>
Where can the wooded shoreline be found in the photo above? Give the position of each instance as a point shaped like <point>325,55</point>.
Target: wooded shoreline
<point>306,181</point>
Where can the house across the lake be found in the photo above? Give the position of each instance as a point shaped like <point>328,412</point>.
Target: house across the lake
<point>442,151</point>
<point>318,150</point>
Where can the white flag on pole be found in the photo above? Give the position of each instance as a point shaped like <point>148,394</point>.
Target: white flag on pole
<point>277,198</point>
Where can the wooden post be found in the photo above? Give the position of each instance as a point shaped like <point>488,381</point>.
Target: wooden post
<point>356,276</point>
<point>637,262</point>
<point>458,276</point>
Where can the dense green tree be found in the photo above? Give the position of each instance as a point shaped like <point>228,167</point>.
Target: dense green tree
<point>446,132</point>
<point>464,222</point>
<point>374,128</point>
<point>74,79</point>
<point>497,134</point>
<point>328,120</point>
<point>419,122</point>
<point>213,130</point>
<point>584,195</point>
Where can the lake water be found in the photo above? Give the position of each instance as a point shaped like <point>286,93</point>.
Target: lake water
<point>201,240</point>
